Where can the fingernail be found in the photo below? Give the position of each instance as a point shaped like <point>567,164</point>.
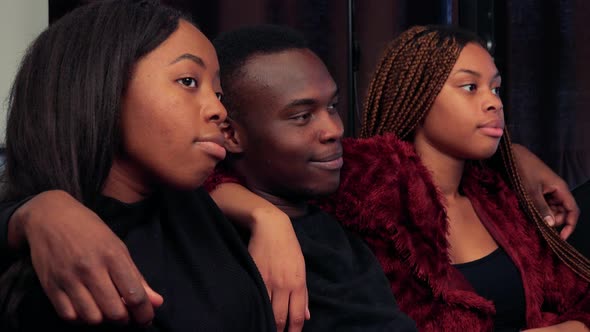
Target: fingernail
<point>549,220</point>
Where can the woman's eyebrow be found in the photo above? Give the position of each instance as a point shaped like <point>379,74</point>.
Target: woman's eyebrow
<point>192,57</point>
<point>473,72</point>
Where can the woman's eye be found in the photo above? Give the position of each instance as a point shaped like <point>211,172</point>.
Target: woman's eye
<point>219,96</point>
<point>189,82</point>
<point>496,90</point>
<point>469,87</point>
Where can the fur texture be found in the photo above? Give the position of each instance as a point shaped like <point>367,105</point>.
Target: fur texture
<point>388,197</point>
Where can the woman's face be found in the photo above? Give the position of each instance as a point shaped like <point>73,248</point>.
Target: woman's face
<point>171,114</point>
<point>466,120</point>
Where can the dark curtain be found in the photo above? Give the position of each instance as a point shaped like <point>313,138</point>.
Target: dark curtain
<point>540,47</point>
<point>547,82</point>
<point>325,25</point>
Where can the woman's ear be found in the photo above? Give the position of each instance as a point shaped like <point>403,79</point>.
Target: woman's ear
<point>233,138</point>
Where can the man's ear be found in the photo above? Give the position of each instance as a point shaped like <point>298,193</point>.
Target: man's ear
<point>234,140</point>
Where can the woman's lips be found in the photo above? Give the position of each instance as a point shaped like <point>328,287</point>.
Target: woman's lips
<point>213,149</point>
<point>494,128</point>
<point>492,131</point>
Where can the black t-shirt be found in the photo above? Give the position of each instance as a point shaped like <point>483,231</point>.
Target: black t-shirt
<point>579,238</point>
<point>348,290</point>
<point>191,255</point>
<point>496,278</point>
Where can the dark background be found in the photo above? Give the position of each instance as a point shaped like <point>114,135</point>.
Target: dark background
<point>540,47</point>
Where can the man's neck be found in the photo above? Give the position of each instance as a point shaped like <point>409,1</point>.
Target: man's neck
<point>292,207</point>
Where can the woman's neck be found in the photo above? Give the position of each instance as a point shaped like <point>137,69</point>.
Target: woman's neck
<point>446,171</point>
<point>125,184</point>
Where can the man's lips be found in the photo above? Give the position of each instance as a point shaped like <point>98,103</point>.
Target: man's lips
<point>330,163</point>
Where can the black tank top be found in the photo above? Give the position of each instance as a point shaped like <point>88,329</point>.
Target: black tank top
<point>496,278</point>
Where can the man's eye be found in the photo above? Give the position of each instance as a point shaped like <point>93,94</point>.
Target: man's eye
<point>302,116</point>
<point>333,106</point>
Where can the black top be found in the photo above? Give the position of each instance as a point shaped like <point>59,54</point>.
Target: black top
<point>496,278</point>
<point>579,238</point>
<point>348,290</point>
<point>191,255</point>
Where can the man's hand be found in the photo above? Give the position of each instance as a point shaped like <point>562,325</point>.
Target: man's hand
<point>276,251</point>
<point>84,268</point>
<point>549,192</point>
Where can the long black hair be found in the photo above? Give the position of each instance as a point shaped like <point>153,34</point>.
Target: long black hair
<point>64,107</point>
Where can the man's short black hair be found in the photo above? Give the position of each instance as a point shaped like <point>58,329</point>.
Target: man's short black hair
<point>235,47</point>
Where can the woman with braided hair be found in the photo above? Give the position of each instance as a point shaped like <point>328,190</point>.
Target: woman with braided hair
<point>434,191</point>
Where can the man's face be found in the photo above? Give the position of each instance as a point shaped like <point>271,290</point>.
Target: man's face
<point>290,127</point>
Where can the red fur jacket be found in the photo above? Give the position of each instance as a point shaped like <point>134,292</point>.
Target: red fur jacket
<point>388,197</point>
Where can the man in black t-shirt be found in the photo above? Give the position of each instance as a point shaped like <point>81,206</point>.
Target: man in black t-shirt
<point>285,143</point>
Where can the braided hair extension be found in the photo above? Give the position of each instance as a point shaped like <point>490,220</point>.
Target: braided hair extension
<point>566,253</point>
<point>408,78</point>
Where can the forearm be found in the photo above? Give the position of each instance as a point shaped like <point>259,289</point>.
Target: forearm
<point>525,156</point>
<point>273,246</point>
<point>572,326</point>
<point>549,193</point>
<point>15,236</point>
<point>11,236</point>
<point>243,206</point>
<point>569,326</point>
<point>530,167</point>
<point>28,211</point>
